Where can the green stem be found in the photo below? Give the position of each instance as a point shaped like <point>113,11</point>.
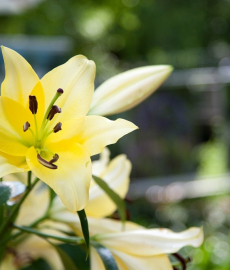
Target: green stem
<point>36,127</point>
<point>15,209</point>
<point>16,235</point>
<point>70,240</point>
<point>29,179</point>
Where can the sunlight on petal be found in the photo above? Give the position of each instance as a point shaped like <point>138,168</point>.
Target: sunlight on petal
<point>20,78</point>
<point>71,180</point>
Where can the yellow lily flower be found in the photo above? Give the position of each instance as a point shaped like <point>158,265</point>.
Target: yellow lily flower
<point>140,248</point>
<point>44,127</point>
<point>126,90</point>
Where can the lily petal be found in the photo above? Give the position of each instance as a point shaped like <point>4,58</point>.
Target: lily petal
<point>37,247</point>
<point>71,180</point>
<point>37,199</point>
<point>14,141</point>
<point>151,242</point>
<point>107,225</point>
<point>116,175</point>
<point>20,78</point>
<point>126,262</point>
<point>126,90</point>
<point>12,164</point>
<point>95,260</point>
<point>68,130</point>
<point>40,96</point>
<point>98,166</point>
<point>99,131</point>
<point>76,78</point>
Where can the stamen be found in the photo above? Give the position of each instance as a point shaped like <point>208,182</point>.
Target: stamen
<point>33,104</point>
<point>57,127</point>
<point>55,109</point>
<point>46,163</point>
<point>54,159</point>
<point>44,121</point>
<point>26,126</point>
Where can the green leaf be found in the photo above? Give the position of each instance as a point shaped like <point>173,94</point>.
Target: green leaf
<point>113,196</point>
<point>106,256</point>
<point>5,192</point>
<point>66,260</point>
<point>38,265</point>
<point>85,228</point>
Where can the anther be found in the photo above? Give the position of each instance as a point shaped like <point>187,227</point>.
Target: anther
<point>26,126</point>
<point>57,127</point>
<point>60,91</point>
<point>55,109</point>
<point>54,159</point>
<point>33,104</point>
<point>46,163</point>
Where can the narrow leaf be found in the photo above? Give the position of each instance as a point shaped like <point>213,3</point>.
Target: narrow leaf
<point>113,196</point>
<point>5,192</point>
<point>85,228</point>
<point>106,256</point>
<point>66,260</point>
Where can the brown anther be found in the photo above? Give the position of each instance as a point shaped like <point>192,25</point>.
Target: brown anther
<point>33,104</point>
<point>60,91</point>
<point>57,127</point>
<point>55,109</point>
<point>46,163</point>
<point>26,126</point>
<point>54,159</point>
<point>183,261</point>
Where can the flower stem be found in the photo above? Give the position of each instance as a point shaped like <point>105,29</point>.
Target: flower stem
<point>29,179</point>
<point>70,240</point>
<point>36,126</point>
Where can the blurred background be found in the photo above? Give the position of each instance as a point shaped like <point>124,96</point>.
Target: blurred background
<point>180,154</point>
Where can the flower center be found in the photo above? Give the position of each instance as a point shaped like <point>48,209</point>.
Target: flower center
<point>41,134</point>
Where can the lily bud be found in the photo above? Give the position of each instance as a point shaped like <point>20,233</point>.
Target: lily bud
<point>126,90</point>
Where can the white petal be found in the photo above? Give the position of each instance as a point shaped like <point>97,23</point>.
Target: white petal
<point>116,175</point>
<point>151,242</point>
<point>127,262</point>
<point>95,260</point>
